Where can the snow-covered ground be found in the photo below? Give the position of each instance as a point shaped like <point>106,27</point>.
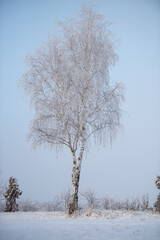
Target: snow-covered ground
<point>95,225</point>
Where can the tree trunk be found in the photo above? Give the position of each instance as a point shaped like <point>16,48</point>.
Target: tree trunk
<point>78,171</point>
<point>72,196</point>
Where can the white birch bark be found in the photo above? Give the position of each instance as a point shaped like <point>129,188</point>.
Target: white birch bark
<point>72,196</point>
<point>78,172</point>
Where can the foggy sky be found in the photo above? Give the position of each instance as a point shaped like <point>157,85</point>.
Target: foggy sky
<point>130,166</point>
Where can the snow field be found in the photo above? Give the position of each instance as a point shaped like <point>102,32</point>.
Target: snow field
<point>88,225</point>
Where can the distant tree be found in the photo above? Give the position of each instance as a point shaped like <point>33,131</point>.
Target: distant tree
<point>11,194</point>
<point>157,203</point>
<point>69,85</point>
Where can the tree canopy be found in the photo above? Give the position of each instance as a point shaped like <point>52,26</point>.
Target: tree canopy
<point>69,84</point>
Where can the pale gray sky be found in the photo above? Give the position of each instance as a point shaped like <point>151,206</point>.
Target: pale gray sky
<point>129,168</point>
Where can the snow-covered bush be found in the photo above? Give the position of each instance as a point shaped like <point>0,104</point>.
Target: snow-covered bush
<point>91,199</point>
<point>112,204</point>
<point>134,205</point>
<point>2,203</point>
<point>89,203</point>
<point>59,203</point>
<point>12,192</point>
<point>64,198</point>
<point>51,206</point>
<point>28,206</point>
<point>145,202</point>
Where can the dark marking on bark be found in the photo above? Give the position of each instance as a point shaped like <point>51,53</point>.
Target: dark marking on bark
<point>71,208</point>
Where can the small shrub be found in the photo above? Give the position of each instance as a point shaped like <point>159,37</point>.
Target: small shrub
<point>28,206</point>
<point>134,205</point>
<point>145,202</point>
<point>2,203</point>
<point>157,203</point>
<point>90,197</point>
<point>11,194</point>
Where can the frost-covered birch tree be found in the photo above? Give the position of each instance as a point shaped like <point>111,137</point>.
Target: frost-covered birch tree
<point>70,88</point>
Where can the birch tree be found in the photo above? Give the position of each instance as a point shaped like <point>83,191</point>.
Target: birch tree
<point>69,85</point>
